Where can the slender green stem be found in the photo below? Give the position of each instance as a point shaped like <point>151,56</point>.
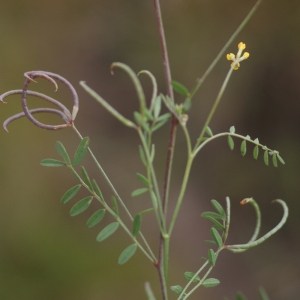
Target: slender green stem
<point>191,281</point>
<point>77,176</point>
<point>202,279</point>
<point>217,101</point>
<point>152,175</point>
<point>149,291</point>
<point>115,192</point>
<point>181,193</point>
<point>164,240</point>
<point>235,34</point>
<point>184,182</point>
<point>165,253</point>
<point>163,264</point>
<point>167,69</point>
<point>169,164</point>
<point>199,284</point>
<point>188,139</point>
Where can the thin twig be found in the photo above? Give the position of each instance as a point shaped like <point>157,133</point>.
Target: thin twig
<point>163,259</point>
<point>221,53</point>
<point>164,50</point>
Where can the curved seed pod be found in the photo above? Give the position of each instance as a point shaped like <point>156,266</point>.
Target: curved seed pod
<point>136,83</point>
<point>48,76</point>
<point>37,110</point>
<point>30,76</point>
<point>258,222</point>
<point>267,235</point>
<point>39,95</point>
<point>154,84</point>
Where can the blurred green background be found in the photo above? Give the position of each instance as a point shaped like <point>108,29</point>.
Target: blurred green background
<point>44,253</point>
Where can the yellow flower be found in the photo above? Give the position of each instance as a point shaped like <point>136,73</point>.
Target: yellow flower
<point>239,57</point>
<point>241,46</point>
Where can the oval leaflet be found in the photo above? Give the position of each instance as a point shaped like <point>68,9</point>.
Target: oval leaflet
<point>127,254</point>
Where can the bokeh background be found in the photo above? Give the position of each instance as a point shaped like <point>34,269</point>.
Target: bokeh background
<point>44,253</point>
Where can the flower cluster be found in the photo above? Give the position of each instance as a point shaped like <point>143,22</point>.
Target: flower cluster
<point>239,57</point>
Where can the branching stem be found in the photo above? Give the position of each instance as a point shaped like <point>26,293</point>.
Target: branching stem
<point>164,50</point>
<point>163,255</point>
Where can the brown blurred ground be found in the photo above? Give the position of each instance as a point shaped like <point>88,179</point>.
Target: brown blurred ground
<point>45,254</point>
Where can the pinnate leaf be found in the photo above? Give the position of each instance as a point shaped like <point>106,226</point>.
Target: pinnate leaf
<point>139,192</point>
<point>115,205</point>
<point>209,242</point>
<point>217,224</point>
<point>70,193</point>
<point>86,178</point>
<point>61,150</point>
<point>107,231</point>
<point>159,124</point>
<point>154,200</point>
<point>148,114</point>
<point>209,214</point>
<point>210,282</point>
<point>127,254</point>
<point>157,106</point>
<point>139,119</point>
<point>189,275</point>
<point>97,190</point>
<point>212,257</point>
<point>177,289</point>
<point>218,207</point>
<point>142,155</point>
<point>274,160</point>
<point>187,104</point>
<point>143,179</point>
<point>216,237</point>
<point>152,152</point>
<point>49,162</point>
<point>95,218</point>
<point>266,157</point>
<point>81,151</point>
<point>243,147</point>
<point>208,131</point>
<point>180,88</point>
<point>136,225</point>
<point>255,152</point>
<point>230,142</point>
<point>81,206</point>
<point>164,117</point>
<point>280,159</point>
